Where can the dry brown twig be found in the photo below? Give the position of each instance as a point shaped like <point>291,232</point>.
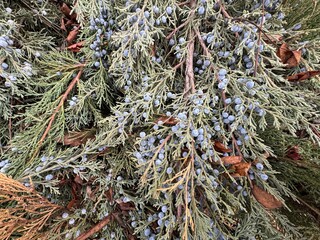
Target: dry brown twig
<point>63,98</point>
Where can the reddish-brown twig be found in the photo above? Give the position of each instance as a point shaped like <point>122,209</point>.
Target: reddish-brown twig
<point>63,98</point>
<point>202,43</point>
<point>178,65</point>
<point>177,29</point>
<point>190,18</point>
<point>96,228</point>
<point>223,10</point>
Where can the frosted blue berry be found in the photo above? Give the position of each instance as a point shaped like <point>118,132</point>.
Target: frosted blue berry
<point>210,38</point>
<point>142,134</point>
<point>297,26</point>
<point>195,133</point>
<point>249,65</point>
<point>65,215</point>
<point>83,211</point>
<point>97,64</point>
<point>228,100</point>
<point>171,42</point>
<point>264,176</point>
<point>147,14</point>
<point>231,118</point>
<point>71,221</point>
<point>169,10</point>
<point>39,168</point>
<point>4,66</point>
<point>237,101</point>
<point>206,63</point>
<point>259,166</point>
<point>222,71</point>
<point>221,85</point>
<point>225,114</point>
<point>250,84</point>
<point>147,232</point>
<point>164,19</point>
<point>169,170</point>
<point>201,10</point>
<point>3,43</point>
<point>49,177</point>
<point>164,208</point>
<point>250,45</point>
<point>196,111</point>
<point>182,40</point>
<point>239,187</point>
<point>155,9</point>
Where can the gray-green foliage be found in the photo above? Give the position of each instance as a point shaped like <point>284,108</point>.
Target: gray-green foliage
<point>153,149</point>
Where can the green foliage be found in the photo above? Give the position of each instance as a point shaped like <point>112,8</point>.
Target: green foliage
<point>125,130</point>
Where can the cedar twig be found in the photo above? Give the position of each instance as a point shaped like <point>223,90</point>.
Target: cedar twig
<point>96,228</point>
<point>63,98</point>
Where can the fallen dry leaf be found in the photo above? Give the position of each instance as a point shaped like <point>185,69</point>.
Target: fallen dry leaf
<point>64,8</point>
<point>76,47</point>
<point>77,138</point>
<point>276,38</point>
<point>303,76</point>
<point>72,35</point>
<point>231,159</point>
<point>293,153</point>
<point>241,169</point>
<point>167,120</point>
<point>265,199</point>
<point>218,146</point>
<point>289,57</point>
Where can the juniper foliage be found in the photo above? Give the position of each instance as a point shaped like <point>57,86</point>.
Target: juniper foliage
<point>159,124</point>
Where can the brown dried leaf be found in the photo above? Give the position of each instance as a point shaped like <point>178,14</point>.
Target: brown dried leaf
<point>76,47</point>
<point>289,57</point>
<point>274,37</point>
<point>167,120</point>
<point>77,138</point>
<point>109,195</point>
<point>303,76</point>
<point>293,153</point>
<point>265,199</point>
<point>241,169</point>
<point>63,25</point>
<point>218,146</point>
<point>231,159</point>
<point>64,8</point>
<point>72,35</point>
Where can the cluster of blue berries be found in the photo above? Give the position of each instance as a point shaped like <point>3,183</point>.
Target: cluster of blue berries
<point>103,28</point>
